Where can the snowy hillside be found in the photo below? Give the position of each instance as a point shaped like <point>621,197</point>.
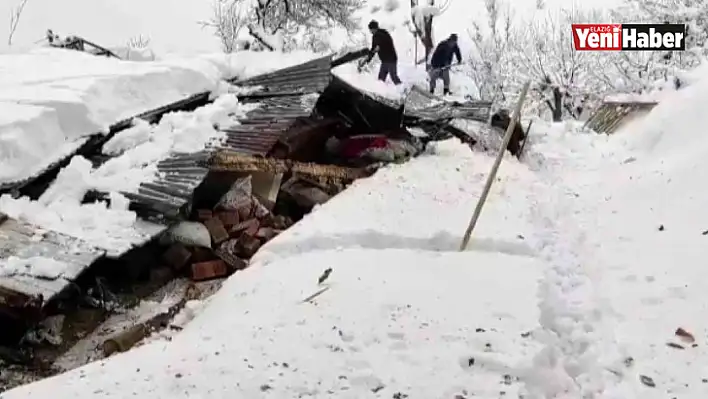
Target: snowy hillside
<point>584,277</point>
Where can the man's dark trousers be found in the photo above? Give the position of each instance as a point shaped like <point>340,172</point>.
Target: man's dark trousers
<point>389,68</point>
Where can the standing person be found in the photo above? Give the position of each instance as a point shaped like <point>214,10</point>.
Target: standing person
<point>441,61</point>
<point>382,44</point>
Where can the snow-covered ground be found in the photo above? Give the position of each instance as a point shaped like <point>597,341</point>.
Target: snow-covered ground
<point>570,285</point>
<point>398,289</point>
<point>585,263</point>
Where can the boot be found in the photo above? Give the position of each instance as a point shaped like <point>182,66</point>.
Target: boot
<point>446,92</point>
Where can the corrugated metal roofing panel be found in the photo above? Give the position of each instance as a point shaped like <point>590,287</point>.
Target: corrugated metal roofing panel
<point>611,115</point>
<point>171,192</point>
<point>423,105</point>
<point>261,128</point>
<point>311,77</point>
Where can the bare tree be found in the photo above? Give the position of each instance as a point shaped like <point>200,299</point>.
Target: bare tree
<point>284,19</point>
<point>641,71</point>
<point>15,15</point>
<point>228,19</point>
<point>491,59</point>
<point>564,78</point>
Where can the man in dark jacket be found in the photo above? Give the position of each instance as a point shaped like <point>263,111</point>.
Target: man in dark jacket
<point>382,44</point>
<point>441,61</point>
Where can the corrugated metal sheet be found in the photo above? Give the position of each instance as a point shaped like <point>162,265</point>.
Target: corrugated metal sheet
<point>611,115</point>
<point>19,239</point>
<point>170,194</point>
<point>311,77</point>
<point>422,105</point>
<point>261,128</point>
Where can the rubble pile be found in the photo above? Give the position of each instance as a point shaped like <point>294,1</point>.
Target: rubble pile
<point>222,239</point>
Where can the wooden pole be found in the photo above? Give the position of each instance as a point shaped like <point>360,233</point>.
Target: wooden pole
<point>495,167</point>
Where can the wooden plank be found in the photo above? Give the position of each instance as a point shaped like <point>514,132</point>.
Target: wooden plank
<point>24,241</point>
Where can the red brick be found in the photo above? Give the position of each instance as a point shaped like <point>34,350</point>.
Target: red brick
<point>177,256</point>
<point>216,230</point>
<point>209,270</point>
<point>204,214</point>
<point>229,218</point>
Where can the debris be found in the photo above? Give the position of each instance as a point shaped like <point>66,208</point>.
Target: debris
<point>204,215</point>
<point>324,276</point>
<point>247,225</point>
<point>685,335</point>
<point>674,345</point>
<point>229,218</point>
<point>189,234</point>
<point>228,252</point>
<point>125,340</point>
<point>648,381</point>
<point>316,294</point>
<point>266,233</point>
<point>248,245</point>
<point>705,233</point>
<point>177,256</point>
<point>217,231</point>
<point>661,227</point>
<point>209,270</point>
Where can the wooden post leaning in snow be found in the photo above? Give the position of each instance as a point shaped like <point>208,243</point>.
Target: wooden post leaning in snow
<point>493,173</point>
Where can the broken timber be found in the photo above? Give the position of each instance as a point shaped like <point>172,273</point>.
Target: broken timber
<point>236,162</point>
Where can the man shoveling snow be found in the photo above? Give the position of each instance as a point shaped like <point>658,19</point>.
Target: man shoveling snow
<point>382,44</point>
<point>441,61</point>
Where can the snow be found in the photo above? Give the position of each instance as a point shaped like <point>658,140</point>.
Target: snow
<point>60,97</point>
<point>115,22</point>
<point>396,287</point>
<point>581,269</point>
<point>37,266</point>
<point>143,146</point>
<point>137,151</point>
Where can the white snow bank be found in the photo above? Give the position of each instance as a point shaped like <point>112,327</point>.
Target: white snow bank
<point>139,149</point>
<point>51,100</point>
<point>405,313</point>
<point>420,323</point>
<point>59,209</point>
<point>674,127</point>
<point>400,210</point>
<point>137,152</point>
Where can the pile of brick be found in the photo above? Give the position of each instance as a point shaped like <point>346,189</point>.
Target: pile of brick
<point>237,230</point>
